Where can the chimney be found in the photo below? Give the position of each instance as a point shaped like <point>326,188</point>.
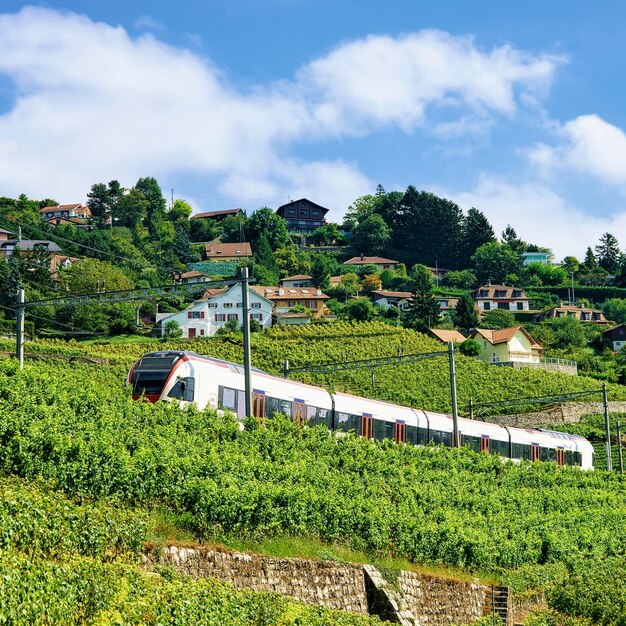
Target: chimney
<point>362,257</point>
<point>318,292</point>
<point>281,291</point>
<point>489,283</point>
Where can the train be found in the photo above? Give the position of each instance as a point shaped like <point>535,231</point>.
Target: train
<point>207,382</point>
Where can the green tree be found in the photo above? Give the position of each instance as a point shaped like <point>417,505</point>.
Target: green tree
<point>422,278</point>
<point>360,310</point>
<point>327,235</point>
<point>470,347</point>
<point>495,261</point>
<point>155,203</point>
<point>615,309</point>
<point>460,279</point>
<point>510,238</point>
<point>608,253</point>
<point>497,319</point>
<point>180,213</point>
<point>172,330</point>
<point>359,211</point>
<point>476,231</point>
<point>590,261</point>
<point>234,228</point>
<point>372,236</point>
<point>320,271</point>
<point>131,209</point>
<point>266,222</point>
<point>181,246</point>
<point>203,230</point>
<point>465,314</point>
<point>98,202</point>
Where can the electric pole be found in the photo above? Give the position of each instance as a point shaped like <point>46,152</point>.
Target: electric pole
<point>246,341</point>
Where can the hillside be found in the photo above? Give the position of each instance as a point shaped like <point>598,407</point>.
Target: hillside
<point>74,426</point>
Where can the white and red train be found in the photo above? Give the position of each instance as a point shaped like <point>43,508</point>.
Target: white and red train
<point>211,383</point>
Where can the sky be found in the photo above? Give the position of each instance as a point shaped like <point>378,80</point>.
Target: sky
<point>513,108</point>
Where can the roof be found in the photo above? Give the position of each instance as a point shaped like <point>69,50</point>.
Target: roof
<point>192,274</point>
<point>290,293</point>
<point>392,294</point>
<point>218,250</point>
<point>4,230</point>
<point>572,308</point>
<point>504,335</point>
<point>30,244</point>
<point>284,206</point>
<point>222,212</point>
<point>491,289</point>
<point>62,207</point>
<point>611,330</point>
<point>446,335</point>
<point>366,260</point>
<point>207,294</point>
<point>297,277</point>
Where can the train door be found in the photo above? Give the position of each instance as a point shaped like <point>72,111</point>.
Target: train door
<point>258,403</point>
<point>399,432</point>
<point>367,426</point>
<point>560,456</point>
<point>485,444</point>
<point>299,412</point>
<point>535,454</point>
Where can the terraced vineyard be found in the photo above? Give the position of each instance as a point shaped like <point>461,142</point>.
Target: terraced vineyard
<point>84,468</point>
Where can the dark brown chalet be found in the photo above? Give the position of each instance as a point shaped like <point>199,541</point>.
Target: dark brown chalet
<point>219,216</point>
<point>302,216</point>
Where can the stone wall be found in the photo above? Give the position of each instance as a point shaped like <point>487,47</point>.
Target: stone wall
<point>410,599</point>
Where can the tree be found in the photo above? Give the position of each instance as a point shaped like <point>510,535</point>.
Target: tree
<point>370,283</point>
<point>233,228</point>
<point>371,236</point>
<point>180,212</point>
<point>155,203</point>
<point>98,202</point>
<point>615,310</point>
<point>131,209</point>
<point>320,271</point>
<point>424,311</point>
<point>359,211</point>
<point>510,238</point>
<point>422,278</point>
<point>465,314</point>
<point>494,261</point>
<point>497,319</point>
<point>172,330</point>
<point>266,222</point>
<point>608,253</point>
<point>460,279</point>
<point>181,246</point>
<point>360,310</point>
<point>590,262</point>
<point>327,235</point>
<point>476,231</point>
<point>470,347</point>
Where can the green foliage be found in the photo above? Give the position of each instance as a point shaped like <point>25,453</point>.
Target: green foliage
<point>465,315</point>
<point>172,330</point>
<point>495,261</point>
<point>470,347</point>
<point>372,236</point>
<point>460,279</point>
<point>496,319</point>
<point>360,310</point>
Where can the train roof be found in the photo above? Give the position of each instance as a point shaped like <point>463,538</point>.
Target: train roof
<point>234,367</point>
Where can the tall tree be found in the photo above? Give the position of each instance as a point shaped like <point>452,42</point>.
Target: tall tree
<point>131,210</point>
<point>371,236</point>
<point>494,261</point>
<point>608,253</point>
<point>155,203</point>
<point>476,231</point>
<point>465,314</point>
<point>424,311</point>
<point>266,222</point>
<point>590,262</point>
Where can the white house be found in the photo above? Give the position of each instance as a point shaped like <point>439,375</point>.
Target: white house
<point>385,299</point>
<point>204,317</point>
<point>490,297</point>
<point>299,280</point>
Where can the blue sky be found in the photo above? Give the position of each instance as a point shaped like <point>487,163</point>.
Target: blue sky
<point>514,108</point>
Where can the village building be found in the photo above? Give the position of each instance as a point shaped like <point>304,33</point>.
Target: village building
<point>385,299</point>
<point>380,262</point>
<point>581,313</point>
<point>217,251</point>
<point>446,336</point>
<point>302,216</point>
<point>285,299</point>
<point>616,336</point>
<point>216,307</point>
<point>299,280</point>
<point>507,345</point>
<point>31,246</point>
<point>490,297</point>
<point>218,216</point>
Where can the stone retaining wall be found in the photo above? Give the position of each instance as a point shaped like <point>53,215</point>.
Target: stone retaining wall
<point>411,599</point>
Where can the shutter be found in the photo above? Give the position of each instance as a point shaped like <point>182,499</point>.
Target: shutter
<point>189,314</point>
<point>202,314</point>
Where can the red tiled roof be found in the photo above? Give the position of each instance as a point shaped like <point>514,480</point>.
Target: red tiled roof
<point>61,207</point>
<point>491,290</point>
<point>219,250</point>
<point>447,335</point>
<point>376,260</point>
<point>211,293</point>
<point>503,335</point>
<point>289,293</point>
<point>192,274</point>
<point>392,294</point>
<point>297,277</point>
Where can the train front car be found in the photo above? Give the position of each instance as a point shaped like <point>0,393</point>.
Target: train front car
<point>153,373</point>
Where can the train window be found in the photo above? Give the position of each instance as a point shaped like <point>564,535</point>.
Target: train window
<point>439,436</point>
<point>149,382</point>
<point>311,414</point>
<point>285,407</point>
<point>471,442</point>
<point>412,435</point>
<point>343,421</point>
<point>521,451</point>
<point>228,398</point>
<point>578,458</point>
<point>379,430</point>
<point>389,429</point>
<point>272,406</point>
<point>183,389</point>
<point>422,436</point>
<point>325,416</point>
<point>258,404</point>
<point>548,454</point>
<point>499,447</point>
<point>354,423</point>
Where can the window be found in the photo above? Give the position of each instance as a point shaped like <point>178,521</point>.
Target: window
<point>228,398</point>
<point>212,305</point>
<point>312,304</point>
<point>220,317</point>
<point>232,316</point>
<point>228,305</point>
<point>520,306</point>
<point>596,316</point>
<point>503,305</point>
<point>256,316</point>
<point>202,332</point>
<point>239,305</point>
<point>517,293</point>
<point>484,293</point>
<point>315,213</point>
<point>183,389</point>
<point>486,306</point>
<point>291,211</point>
<point>291,303</point>
<point>500,293</point>
<point>386,266</point>
<point>255,305</point>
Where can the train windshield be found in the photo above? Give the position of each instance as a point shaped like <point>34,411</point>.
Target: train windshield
<point>150,374</point>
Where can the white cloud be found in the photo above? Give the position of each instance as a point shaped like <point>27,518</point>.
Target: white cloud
<point>147,22</point>
<point>539,215</point>
<point>94,104</point>
<point>589,145</point>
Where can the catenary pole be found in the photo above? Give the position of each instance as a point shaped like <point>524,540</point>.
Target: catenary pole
<point>246,340</point>
<point>607,427</point>
<point>619,448</point>
<point>19,328</point>
<point>455,413</point>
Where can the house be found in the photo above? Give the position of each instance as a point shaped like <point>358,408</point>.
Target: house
<point>535,257</point>
<point>386,299</point>
<point>78,222</point>
<point>65,211</point>
<point>616,336</point>
<point>31,246</point>
<point>217,251</point>
<point>292,319</point>
<point>204,317</point>
<point>507,345</point>
<point>302,216</point>
<point>5,234</point>
<point>490,297</point>
<point>438,272</point>
<point>287,298</point>
<point>380,263</point>
<point>447,304</point>
<point>192,277</point>
<point>218,216</point>
<point>581,313</point>
<point>299,280</point>
<point>65,261</point>
<point>446,336</point>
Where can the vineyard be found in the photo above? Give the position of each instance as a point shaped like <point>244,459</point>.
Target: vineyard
<point>85,467</point>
